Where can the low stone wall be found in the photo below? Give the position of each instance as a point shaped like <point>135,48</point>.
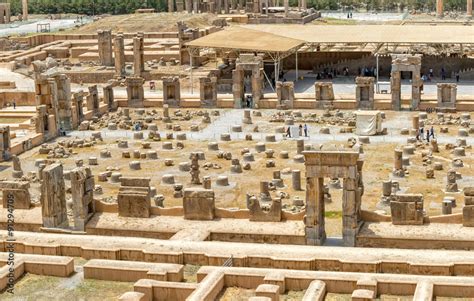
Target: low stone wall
<point>58,266</point>
<point>129,271</point>
<point>92,247</point>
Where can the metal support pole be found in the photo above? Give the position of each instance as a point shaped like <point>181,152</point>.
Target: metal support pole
<point>377,84</point>
<point>276,71</point>
<point>296,55</point>
<point>191,76</point>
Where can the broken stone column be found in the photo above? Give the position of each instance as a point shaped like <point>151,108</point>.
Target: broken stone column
<point>264,191</point>
<point>119,53</point>
<point>296,179</point>
<point>398,163</point>
<point>299,146</point>
<point>17,171</point>
<point>105,47</point>
<point>415,122</point>
<point>53,197</point>
<point>195,169</point>
<point>451,185</point>
<point>82,190</point>
<point>138,55</point>
<point>206,182</point>
<point>468,209</point>
<point>286,3</point>
<point>247,117</point>
<point>170,6</point>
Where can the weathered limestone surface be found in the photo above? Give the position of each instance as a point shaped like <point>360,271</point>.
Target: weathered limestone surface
<point>198,204</point>
<point>16,194</point>
<point>407,209</point>
<point>134,197</point>
<point>53,197</point>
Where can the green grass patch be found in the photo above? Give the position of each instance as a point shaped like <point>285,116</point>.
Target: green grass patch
<point>333,214</point>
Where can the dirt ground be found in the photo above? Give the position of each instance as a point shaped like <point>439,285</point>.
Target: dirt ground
<point>160,22</point>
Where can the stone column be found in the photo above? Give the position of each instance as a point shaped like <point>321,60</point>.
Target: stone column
<point>303,3</point>
<point>226,6</point>
<point>196,6</point>
<point>286,2</point>
<point>24,4</point>
<point>170,6</point>
<point>264,191</point>
<point>395,83</point>
<point>415,122</point>
<point>349,212</point>
<point>469,8</point>
<point>206,182</point>
<point>119,53</point>
<point>138,55</point>
<point>299,146</point>
<point>314,218</point>
<point>189,6</point>
<point>104,38</point>
<point>387,188</point>
<point>296,179</point>
<point>398,159</point>
<point>439,8</point>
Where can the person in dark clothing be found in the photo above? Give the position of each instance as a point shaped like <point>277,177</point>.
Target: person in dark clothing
<point>288,134</point>
<point>305,130</point>
<point>432,132</point>
<point>421,133</point>
<point>427,135</point>
<point>14,105</point>
<point>301,130</point>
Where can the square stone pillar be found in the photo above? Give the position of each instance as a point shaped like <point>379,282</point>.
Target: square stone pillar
<point>350,225</point>
<point>24,5</point>
<point>119,52</point>
<point>104,38</point>
<point>439,8</point>
<point>170,6</point>
<point>53,197</point>
<point>189,6</point>
<point>314,219</point>
<point>395,83</point>
<point>469,9</point>
<point>238,87</point>
<point>82,191</point>
<point>286,3</point>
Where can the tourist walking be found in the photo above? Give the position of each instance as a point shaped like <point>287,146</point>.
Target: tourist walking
<point>457,77</point>
<point>427,135</point>
<point>288,134</point>
<point>301,130</point>
<point>305,130</point>
<point>432,132</point>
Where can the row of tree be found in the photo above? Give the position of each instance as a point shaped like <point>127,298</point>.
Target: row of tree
<point>97,7</point>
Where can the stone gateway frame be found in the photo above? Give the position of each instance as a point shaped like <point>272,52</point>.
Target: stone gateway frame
<point>333,164</point>
<point>400,63</point>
